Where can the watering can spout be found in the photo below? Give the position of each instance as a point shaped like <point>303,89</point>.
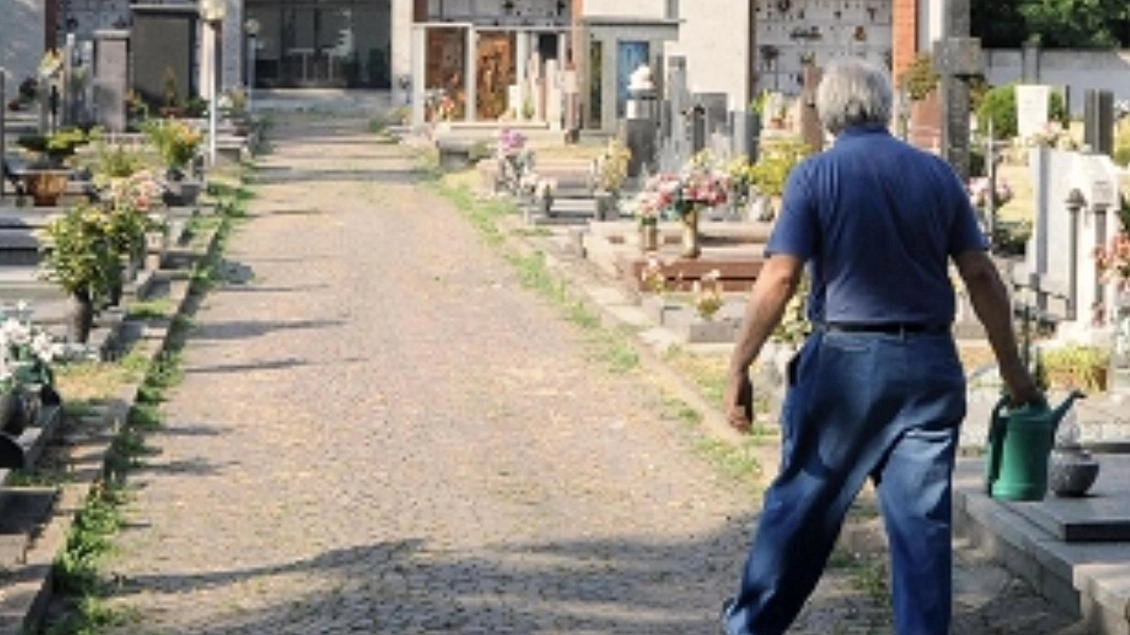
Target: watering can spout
<point>1061,410</point>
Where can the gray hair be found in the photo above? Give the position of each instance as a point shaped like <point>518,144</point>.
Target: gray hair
<point>853,92</point>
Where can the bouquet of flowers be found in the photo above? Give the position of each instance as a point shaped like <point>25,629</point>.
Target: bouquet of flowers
<point>1114,260</point>
<point>510,143</point>
<point>978,190</point>
<point>26,352</point>
<point>139,191</point>
<point>696,187</point>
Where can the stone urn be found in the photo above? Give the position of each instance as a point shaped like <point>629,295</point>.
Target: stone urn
<point>182,192</point>
<point>46,186</point>
<point>1071,471</point>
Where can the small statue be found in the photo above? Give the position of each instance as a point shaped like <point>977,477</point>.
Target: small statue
<point>640,80</point>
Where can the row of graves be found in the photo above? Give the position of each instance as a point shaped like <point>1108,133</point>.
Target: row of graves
<point>97,211</point>
<point>672,207</point>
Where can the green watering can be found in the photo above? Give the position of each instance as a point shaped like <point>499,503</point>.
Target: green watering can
<point>1020,442</point>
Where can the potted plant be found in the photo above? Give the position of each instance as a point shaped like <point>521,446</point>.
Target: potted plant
<point>46,178</point>
<point>707,295</point>
<point>177,143</point>
<point>611,170</point>
<point>81,256</point>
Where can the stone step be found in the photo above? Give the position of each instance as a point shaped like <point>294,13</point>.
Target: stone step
<point>1089,579</point>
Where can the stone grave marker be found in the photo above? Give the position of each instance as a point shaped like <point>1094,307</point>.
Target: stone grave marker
<point>572,101</point>
<point>1076,211</point>
<point>1098,121</point>
<point>1031,109</point>
<point>716,107</point>
<point>553,95</point>
<point>162,46</point>
<point>111,79</point>
<point>677,146</point>
<point>639,132</point>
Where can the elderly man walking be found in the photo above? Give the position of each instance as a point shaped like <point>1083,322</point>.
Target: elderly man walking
<point>877,390</point>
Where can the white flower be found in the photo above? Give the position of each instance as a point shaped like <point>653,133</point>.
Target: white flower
<point>43,348</point>
<point>15,332</point>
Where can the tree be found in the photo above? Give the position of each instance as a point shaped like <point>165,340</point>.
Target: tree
<point>1052,23</point>
<point>1073,23</point>
<point>999,24</point>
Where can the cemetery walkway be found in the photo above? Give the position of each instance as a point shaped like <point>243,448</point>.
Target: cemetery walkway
<point>380,431</point>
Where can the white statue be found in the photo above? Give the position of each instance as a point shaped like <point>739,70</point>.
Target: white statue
<point>640,80</point>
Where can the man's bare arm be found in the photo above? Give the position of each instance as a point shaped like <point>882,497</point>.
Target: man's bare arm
<point>775,285</point>
<point>991,304</point>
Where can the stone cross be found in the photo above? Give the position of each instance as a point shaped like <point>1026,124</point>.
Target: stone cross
<point>958,59</point>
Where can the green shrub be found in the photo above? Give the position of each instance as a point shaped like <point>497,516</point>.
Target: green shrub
<point>999,105</point>
<point>1122,142</point>
<point>920,78</point>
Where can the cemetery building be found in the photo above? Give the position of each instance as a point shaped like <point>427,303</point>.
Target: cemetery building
<point>565,61</point>
<point>329,43</point>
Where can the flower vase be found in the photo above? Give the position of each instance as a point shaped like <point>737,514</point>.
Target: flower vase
<point>81,317</point>
<point>691,240</point>
<point>607,207</point>
<point>649,235</point>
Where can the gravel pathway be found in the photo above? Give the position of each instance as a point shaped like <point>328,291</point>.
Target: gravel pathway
<point>380,431</point>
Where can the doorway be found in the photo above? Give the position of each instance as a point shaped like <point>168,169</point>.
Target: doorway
<point>323,43</point>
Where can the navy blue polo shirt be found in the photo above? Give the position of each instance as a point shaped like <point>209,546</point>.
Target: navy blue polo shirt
<point>877,220</point>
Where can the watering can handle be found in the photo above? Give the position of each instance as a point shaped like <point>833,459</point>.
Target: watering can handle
<point>996,430</point>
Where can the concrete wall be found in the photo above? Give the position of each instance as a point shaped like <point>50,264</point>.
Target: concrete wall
<point>635,8</point>
<point>713,36</point>
<point>21,39</point>
<point>1077,70</point>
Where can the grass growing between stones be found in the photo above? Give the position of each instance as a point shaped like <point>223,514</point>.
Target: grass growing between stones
<point>79,586</point>
<point>149,309</point>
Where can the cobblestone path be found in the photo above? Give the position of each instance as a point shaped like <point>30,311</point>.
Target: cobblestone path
<point>380,431</point>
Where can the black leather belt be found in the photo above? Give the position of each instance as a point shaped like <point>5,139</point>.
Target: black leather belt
<point>892,328</point>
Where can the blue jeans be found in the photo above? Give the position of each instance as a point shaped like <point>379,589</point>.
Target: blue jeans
<point>859,405</point>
